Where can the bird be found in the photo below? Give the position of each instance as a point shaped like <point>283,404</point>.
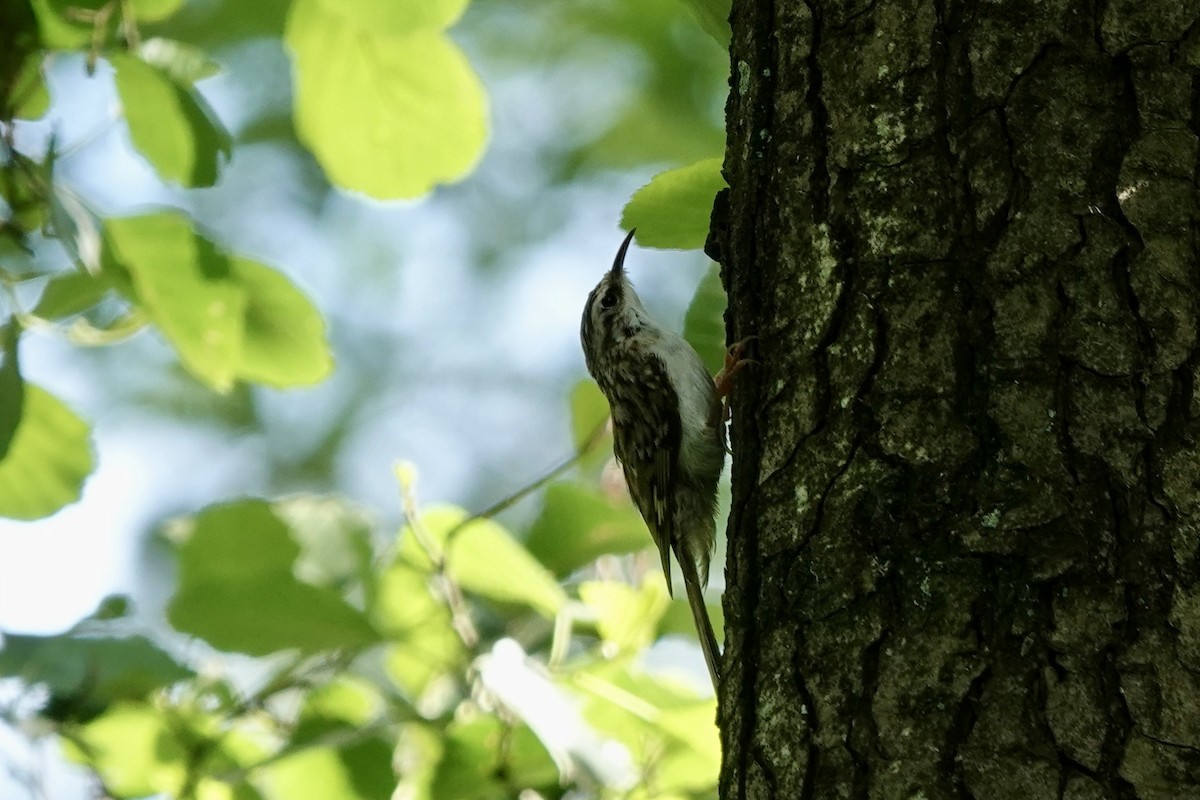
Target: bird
<point>668,425</point>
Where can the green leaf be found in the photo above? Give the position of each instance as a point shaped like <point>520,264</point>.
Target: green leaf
<point>48,460</point>
<point>183,282</point>
<point>704,323</point>
<point>166,750</point>
<point>674,208</point>
<point>87,674</point>
<point>713,17</point>
<point>342,704</point>
<point>59,33</point>
<point>483,758</point>
<point>12,388</point>
<point>153,10</point>
<point>133,749</point>
<point>661,720</point>
<point>332,722</point>
<point>228,317</point>
<point>627,616</point>
<point>70,293</point>
<point>358,771</point>
<point>578,524</point>
<point>407,613</point>
<point>170,124</point>
<point>421,747</point>
<point>387,114</point>
<point>283,339</point>
<point>391,17</point>
<point>241,557</point>
<point>484,558</point>
<point>29,92</point>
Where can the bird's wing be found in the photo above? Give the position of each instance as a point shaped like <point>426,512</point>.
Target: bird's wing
<point>648,448</point>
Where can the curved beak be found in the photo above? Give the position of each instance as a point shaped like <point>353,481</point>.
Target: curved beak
<point>619,262</point>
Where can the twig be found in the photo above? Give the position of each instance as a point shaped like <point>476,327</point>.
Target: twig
<point>460,616</point>
<point>520,494</point>
<point>133,39</point>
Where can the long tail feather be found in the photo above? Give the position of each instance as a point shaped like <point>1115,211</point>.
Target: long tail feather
<point>704,629</point>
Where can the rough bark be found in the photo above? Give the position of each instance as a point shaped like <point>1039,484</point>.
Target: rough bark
<point>963,553</point>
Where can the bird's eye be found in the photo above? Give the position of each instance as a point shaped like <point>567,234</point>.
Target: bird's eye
<point>609,300</point>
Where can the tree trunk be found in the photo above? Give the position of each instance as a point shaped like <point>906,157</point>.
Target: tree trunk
<point>963,552</point>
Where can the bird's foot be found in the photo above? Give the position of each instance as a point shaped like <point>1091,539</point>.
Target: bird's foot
<point>735,361</point>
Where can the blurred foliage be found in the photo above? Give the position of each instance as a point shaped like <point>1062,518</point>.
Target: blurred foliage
<point>307,653</point>
<point>447,660</point>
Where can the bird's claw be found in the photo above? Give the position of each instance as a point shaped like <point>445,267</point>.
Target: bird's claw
<point>735,361</point>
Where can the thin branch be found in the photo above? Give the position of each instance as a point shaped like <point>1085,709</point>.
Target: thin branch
<point>520,494</point>
<point>133,39</point>
<point>460,616</point>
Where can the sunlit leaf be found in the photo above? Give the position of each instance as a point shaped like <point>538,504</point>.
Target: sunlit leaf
<point>242,556</point>
<point>407,613</point>
<point>70,293</point>
<point>704,323</point>
<point>48,460</point>
<point>359,771</point>
<point>483,757</point>
<point>59,32</point>
<point>388,16</point>
<point>661,720</point>
<point>484,558</point>
<point>627,616</point>
<point>133,749</point>
<point>170,124</point>
<point>153,10</point>
<point>674,208</point>
<point>283,339</point>
<point>227,316</point>
<point>387,114</point>
<point>184,283</point>
<point>578,524</point>
<point>339,705</point>
<point>420,748</point>
<point>218,789</point>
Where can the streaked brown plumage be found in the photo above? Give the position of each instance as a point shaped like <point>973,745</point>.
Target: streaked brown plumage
<point>668,431</point>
